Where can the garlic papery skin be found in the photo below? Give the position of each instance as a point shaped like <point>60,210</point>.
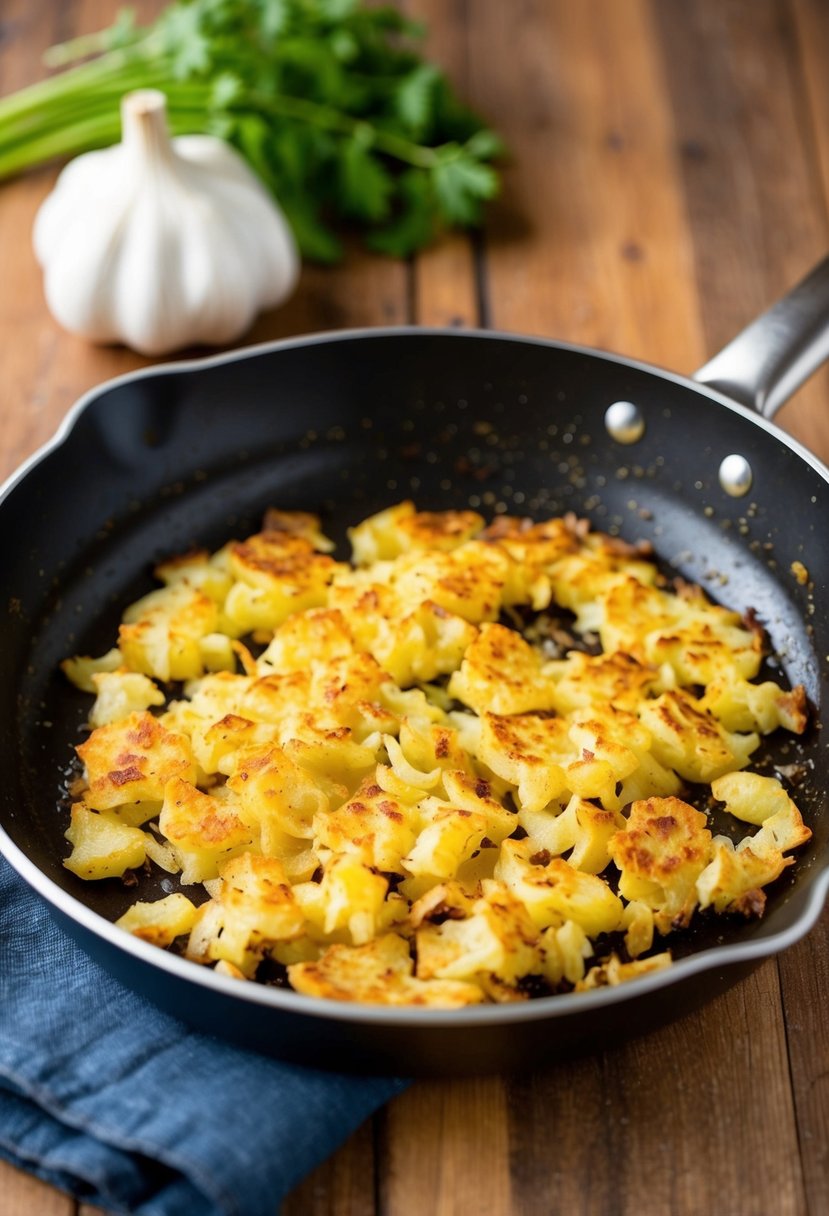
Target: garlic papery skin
<point>162,243</point>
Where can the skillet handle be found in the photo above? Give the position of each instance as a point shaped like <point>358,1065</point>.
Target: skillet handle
<point>764,364</point>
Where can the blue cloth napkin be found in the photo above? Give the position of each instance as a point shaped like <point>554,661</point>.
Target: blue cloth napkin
<point>121,1105</point>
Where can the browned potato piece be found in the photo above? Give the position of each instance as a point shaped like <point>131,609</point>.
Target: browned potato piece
<point>501,673</point>
<point>379,973</point>
<point>132,760</point>
<point>661,853</point>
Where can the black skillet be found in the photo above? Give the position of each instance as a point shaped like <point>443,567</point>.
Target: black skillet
<point>344,424</point>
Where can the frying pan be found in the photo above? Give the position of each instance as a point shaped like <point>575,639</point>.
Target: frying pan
<point>347,423</point>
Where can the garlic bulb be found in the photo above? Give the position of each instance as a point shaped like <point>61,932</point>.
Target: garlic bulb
<point>162,243</point>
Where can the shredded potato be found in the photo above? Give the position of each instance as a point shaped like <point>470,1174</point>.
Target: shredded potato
<point>376,782</point>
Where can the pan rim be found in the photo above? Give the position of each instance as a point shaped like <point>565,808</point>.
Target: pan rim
<point>543,1008</point>
<point>205,362</point>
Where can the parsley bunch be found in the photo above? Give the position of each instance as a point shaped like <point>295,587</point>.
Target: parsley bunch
<point>331,103</point>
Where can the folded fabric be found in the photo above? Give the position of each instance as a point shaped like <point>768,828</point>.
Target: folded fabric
<point>123,1106</point>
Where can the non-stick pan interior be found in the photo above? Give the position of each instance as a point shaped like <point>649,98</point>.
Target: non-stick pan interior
<point>169,460</point>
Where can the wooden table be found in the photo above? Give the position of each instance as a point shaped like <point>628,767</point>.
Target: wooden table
<point>669,178</point>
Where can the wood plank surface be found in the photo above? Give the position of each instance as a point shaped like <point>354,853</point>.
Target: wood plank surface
<point>446,287</point>
<point>24,1195</point>
<point>592,188</point>
<point>669,177</point>
<point>804,970</point>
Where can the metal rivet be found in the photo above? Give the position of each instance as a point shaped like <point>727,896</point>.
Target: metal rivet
<point>736,475</point>
<point>624,422</point>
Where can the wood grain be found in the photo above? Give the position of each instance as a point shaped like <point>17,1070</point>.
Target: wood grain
<point>452,1138</point>
<point>804,970</point>
<point>751,181</point>
<point>343,1185</point>
<point>660,1124</point>
<point>23,1195</point>
<point>669,177</point>
<point>592,188</point>
<point>811,31</point>
<point>445,286</point>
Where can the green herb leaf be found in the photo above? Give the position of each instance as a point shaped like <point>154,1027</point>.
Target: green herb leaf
<point>461,185</point>
<point>485,145</point>
<point>337,10</point>
<point>123,31</point>
<point>416,221</point>
<point>415,98</point>
<point>226,89</point>
<point>274,17</point>
<point>185,41</point>
<point>365,185</point>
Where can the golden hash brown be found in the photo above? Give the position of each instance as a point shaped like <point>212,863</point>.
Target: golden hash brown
<point>411,780</point>
<point>132,760</point>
